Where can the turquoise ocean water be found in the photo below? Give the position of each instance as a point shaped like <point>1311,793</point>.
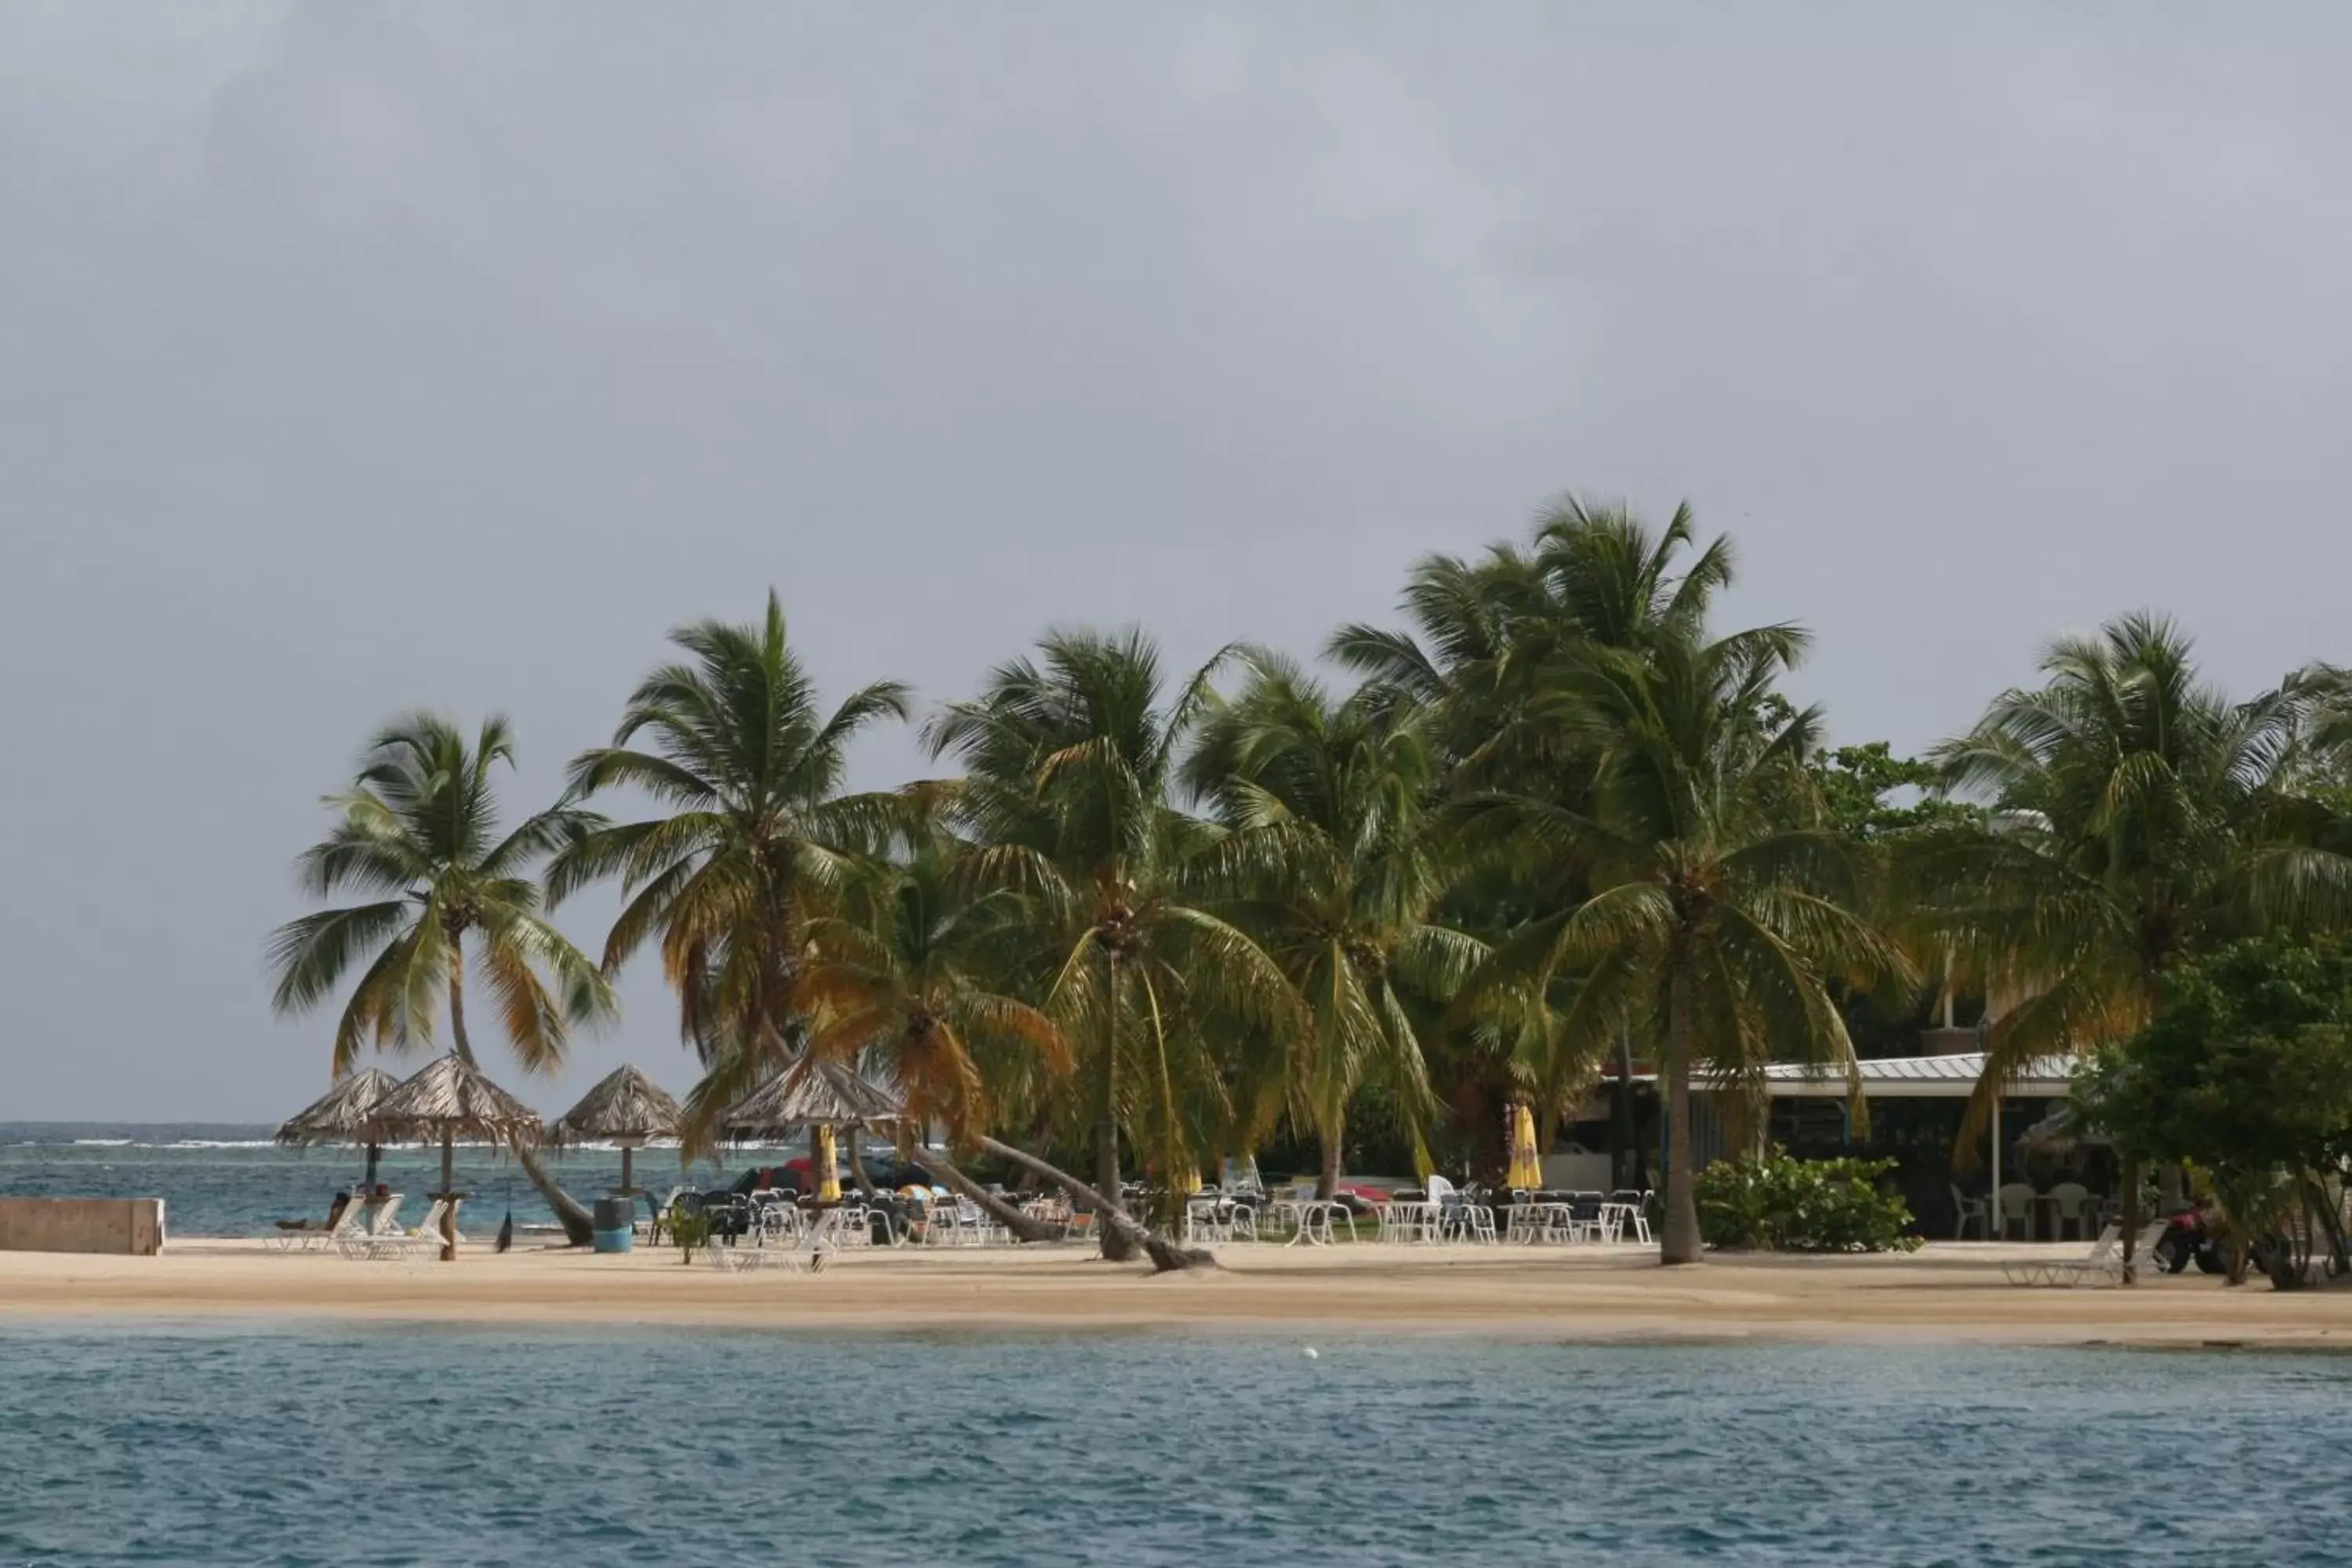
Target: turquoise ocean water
<point>395,1446</point>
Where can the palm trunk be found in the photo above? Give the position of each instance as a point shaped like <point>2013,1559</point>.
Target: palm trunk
<point>1116,1246</point>
<point>579,1224</point>
<point>1624,1136</point>
<point>858,1165</point>
<point>1166,1256</point>
<point>2131,1217</point>
<point>1679,1241</point>
<point>944,1170</point>
<point>1333,1138</point>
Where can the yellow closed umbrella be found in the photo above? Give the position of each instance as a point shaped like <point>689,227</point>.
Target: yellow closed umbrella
<point>822,1157</point>
<point>1526,1169</point>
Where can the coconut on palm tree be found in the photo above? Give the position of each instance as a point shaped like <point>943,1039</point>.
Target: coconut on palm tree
<point>1070,759</point>
<point>754,839</point>
<point>419,835</point>
<point>1719,913</point>
<point>1328,863</point>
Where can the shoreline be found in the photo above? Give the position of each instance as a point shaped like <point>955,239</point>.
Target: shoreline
<point>1948,1293</point>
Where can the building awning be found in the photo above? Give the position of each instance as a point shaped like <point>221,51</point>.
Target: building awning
<point>1950,1077</point>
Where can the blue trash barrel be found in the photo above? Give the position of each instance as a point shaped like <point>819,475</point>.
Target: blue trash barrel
<point>616,1224</point>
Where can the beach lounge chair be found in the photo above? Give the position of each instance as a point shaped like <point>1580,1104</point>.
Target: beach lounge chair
<point>379,1217</point>
<point>424,1240</point>
<point>2103,1264</point>
<point>805,1255</point>
<point>309,1235</point>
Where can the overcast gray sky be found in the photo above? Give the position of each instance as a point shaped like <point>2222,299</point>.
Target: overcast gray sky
<point>360,356</point>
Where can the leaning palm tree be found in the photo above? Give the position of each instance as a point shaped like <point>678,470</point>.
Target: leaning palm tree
<point>419,831</point>
<point>1328,863</point>
<point>903,978</point>
<point>1070,759</point>
<point>756,838</point>
<point>1720,915</point>
<point>2138,817</point>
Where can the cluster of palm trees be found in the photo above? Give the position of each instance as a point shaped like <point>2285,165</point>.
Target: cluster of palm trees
<point>1559,821</point>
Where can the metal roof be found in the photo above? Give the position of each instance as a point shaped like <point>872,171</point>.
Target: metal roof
<point>1918,1078</point>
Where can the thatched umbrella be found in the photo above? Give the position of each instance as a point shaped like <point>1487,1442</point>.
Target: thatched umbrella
<point>448,1099</point>
<point>823,1096</point>
<point>342,1114</point>
<point>627,1108</point>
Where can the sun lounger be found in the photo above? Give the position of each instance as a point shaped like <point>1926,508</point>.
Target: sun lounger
<point>377,1218</point>
<point>807,1255</point>
<point>426,1238</point>
<point>308,1235</point>
<point>2103,1264</point>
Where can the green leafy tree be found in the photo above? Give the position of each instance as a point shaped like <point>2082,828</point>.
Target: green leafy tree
<point>419,835</point>
<point>2137,819</point>
<point>756,838</point>
<point>2246,1073</point>
<point>1870,793</point>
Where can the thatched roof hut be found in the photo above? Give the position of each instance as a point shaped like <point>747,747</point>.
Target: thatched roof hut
<point>342,1114</point>
<point>451,1100</point>
<point>813,1092</point>
<point>626,1107</point>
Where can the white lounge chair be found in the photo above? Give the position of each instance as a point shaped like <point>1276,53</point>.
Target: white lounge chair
<point>426,1238</point>
<point>306,1237</point>
<point>806,1256</point>
<point>2104,1263</point>
<point>379,1217</point>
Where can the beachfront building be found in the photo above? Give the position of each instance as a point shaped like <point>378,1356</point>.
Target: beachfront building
<point>1916,1107</point>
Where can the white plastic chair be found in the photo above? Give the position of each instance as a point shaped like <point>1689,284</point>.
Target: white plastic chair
<point>2072,1200</point>
<point>1968,1211</point>
<point>2017,1209</point>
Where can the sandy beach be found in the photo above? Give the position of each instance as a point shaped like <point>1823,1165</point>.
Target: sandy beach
<point>1948,1291</point>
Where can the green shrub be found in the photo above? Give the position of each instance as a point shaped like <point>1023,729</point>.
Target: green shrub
<point>1784,1205</point>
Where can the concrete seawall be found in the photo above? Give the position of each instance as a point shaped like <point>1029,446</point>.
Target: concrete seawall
<point>132,1227</point>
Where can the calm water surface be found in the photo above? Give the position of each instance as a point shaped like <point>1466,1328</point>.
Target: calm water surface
<point>431,1446</point>
<point>230,1180</point>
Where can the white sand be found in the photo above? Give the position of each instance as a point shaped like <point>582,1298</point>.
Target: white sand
<point>1949,1291</point>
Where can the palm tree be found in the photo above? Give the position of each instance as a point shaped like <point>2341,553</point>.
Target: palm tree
<point>1719,914</point>
<point>903,979</point>
<point>1490,633</point>
<point>756,840</point>
<point>1330,867</point>
<point>2138,817</point>
<point>419,830</point>
<point>1494,641</point>
<point>1070,759</point>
